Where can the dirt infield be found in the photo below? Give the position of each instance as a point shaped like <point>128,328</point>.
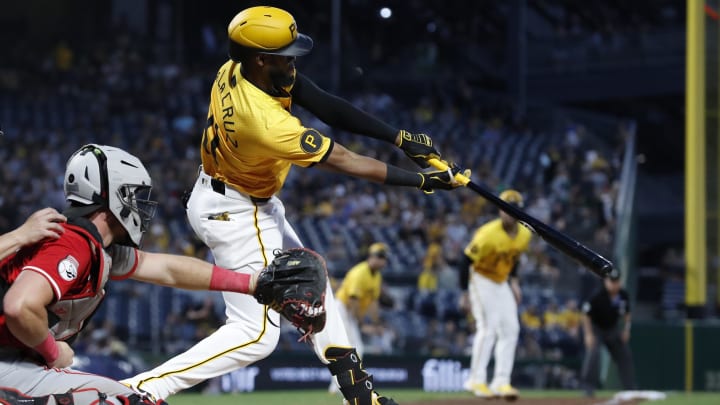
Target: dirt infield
<point>528,401</point>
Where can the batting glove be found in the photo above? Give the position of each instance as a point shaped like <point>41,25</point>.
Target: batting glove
<point>442,179</point>
<point>418,147</point>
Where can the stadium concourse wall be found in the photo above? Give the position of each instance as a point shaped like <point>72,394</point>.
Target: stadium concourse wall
<point>301,371</point>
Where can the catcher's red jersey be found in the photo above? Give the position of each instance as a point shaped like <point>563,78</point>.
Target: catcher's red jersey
<point>65,264</point>
<point>76,267</point>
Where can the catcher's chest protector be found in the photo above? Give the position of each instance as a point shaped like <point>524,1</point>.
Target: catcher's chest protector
<point>70,314</point>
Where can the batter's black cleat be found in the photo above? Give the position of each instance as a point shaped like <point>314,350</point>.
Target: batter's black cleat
<point>380,400</point>
<point>377,399</point>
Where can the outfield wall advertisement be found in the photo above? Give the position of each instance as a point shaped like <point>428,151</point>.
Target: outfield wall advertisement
<point>306,372</point>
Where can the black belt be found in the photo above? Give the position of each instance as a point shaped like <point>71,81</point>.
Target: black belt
<point>219,187</point>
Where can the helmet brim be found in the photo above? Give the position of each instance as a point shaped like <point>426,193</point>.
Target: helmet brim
<point>302,45</point>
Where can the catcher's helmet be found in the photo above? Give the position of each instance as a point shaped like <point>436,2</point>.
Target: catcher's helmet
<point>98,176</point>
<point>513,197</point>
<point>268,30</point>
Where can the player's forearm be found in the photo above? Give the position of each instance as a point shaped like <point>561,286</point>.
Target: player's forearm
<point>345,161</point>
<point>27,322</point>
<point>339,113</point>
<point>189,273</point>
<point>24,307</point>
<point>30,328</point>
<point>10,243</point>
<point>345,116</point>
<point>515,285</point>
<point>353,307</point>
<point>627,322</point>
<point>374,312</point>
<point>587,325</point>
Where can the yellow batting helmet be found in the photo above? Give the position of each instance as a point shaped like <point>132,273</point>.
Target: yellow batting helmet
<point>378,249</point>
<point>513,197</point>
<point>268,30</point>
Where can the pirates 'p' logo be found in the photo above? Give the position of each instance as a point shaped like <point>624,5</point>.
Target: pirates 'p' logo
<point>311,141</point>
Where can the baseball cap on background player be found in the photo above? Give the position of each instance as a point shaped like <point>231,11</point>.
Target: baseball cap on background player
<point>268,30</point>
<point>378,249</point>
<point>512,197</point>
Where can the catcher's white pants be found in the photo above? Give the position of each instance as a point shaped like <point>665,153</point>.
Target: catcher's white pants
<point>495,311</point>
<point>245,242</point>
<point>32,379</point>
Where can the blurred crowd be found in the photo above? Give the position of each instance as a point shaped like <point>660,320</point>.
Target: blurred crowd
<point>155,108</point>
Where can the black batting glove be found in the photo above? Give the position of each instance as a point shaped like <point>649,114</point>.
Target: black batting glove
<point>442,179</point>
<point>418,147</point>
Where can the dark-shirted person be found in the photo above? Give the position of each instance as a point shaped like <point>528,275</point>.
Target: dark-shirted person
<point>606,320</point>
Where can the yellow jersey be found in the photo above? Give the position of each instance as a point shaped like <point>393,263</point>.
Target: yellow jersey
<point>493,252</point>
<point>427,280</point>
<point>251,140</point>
<point>530,320</point>
<point>361,283</point>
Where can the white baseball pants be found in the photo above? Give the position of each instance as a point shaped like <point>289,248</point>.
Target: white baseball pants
<point>495,311</point>
<point>244,242</point>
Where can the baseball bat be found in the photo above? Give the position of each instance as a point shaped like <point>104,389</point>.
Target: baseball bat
<point>561,241</point>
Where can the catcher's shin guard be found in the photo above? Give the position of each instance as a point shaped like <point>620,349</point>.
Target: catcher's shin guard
<point>355,383</point>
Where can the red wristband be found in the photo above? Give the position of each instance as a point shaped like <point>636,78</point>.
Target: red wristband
<point>228,280</point>
<point>48,349</point>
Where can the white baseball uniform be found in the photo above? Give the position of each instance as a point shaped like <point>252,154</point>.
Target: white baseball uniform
<point>248,148</point>
<point>493,254</point>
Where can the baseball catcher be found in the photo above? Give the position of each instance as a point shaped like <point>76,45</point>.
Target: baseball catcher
<point>294,286</point>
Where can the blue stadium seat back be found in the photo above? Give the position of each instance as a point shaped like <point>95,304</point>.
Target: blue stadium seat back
<point>425,303</point>
<point>139,319</point>
<point>446,301</point>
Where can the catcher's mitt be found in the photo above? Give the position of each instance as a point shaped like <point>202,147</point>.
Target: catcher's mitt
<point>294,285</point>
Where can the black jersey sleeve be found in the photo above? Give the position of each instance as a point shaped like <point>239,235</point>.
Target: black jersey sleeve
<point>338,112</point>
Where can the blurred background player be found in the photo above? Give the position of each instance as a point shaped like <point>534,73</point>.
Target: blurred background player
<point>251,141</point>
<point>359,294</point>
<point>607,320</point>
<point>490,261</point>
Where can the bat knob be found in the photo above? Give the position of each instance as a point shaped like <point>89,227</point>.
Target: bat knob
<point>603,267</point>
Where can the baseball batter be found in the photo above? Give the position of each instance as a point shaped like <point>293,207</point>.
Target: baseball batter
<point>58,279</point>
<point>251,141</point>
<point>490,260</point>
